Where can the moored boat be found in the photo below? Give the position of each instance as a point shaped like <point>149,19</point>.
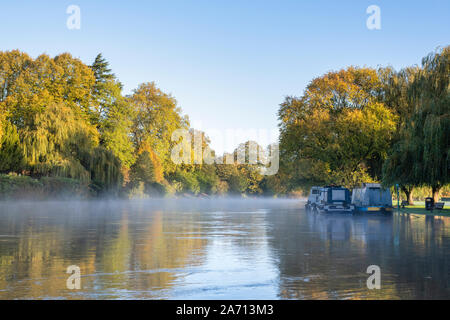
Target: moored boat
<point>372,198</point>
<point>334,199</point>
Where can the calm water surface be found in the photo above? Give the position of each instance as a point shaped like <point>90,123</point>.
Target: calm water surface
<point>217,249</point>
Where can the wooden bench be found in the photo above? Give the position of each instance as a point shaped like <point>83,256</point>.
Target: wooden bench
<point>404,204</point>
<point>439,205</point>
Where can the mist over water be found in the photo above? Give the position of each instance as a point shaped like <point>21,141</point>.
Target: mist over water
<point>220,248</point>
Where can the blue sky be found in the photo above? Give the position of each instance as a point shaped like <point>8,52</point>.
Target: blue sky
<point>228,63</point>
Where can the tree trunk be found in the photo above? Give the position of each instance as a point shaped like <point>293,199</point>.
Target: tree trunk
<point>436,190</point>
<point>410,198</point>
<point>409,194</point>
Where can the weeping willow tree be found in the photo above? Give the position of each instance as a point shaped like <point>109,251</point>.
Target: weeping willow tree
<point>56,141</point>
<point>11,154</point>
<point>105,171</point>
<point>430,122</point>
<point>61,143</point>
<point>397,168</point>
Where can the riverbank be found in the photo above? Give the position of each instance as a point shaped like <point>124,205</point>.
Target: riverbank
<point>417,209</point>
<point>13,187</point>
<point>19,187</point>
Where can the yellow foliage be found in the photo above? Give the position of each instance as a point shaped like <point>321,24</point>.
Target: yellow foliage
<point>31,85</point>
<point>337,129</point>
<point>56,139</point>
<point>157,167</point>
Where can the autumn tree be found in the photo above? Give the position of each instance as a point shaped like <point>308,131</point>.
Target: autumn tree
<point>249,157</point>
<point>11,152</point>
<point>398,167</point>
<point>29,85</point>
<point>147,170</point>
<point>2,121</point>
<point>60,143</point>
<point>157,117</point>
<point>199,174</point>
<point>337,129</point>
<point>208,179</point>
<point>111,113</point>
<point>429,125</point>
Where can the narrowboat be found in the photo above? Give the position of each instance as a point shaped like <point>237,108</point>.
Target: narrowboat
<point>334,199</point>
<point>372,198</point>
<point>313,198</point>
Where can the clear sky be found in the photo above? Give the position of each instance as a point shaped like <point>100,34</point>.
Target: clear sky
<point>228,63</point>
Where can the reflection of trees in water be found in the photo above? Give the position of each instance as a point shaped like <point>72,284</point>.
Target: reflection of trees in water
<point>136,249</point>
<point>325,257</point>
<point>124,251</point>
<point>243,232</point>
<point>426,242</point>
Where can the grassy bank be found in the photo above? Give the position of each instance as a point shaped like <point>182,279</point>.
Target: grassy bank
<point>13,187</point>
<point>420,209</point>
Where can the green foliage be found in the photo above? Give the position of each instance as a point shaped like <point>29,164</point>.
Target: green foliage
<point>64,187</point>
<point>275,185</point>
<point>61,144</point>
<point>395,90</point>
<point>157,117</point>
<point>187,179</point>
<point>112,115</point>
<point>237,183</point>
<point>115,133</point>
<point>104,168</point>
<point>208,179</point>
<point>143,170</point>
<point>430,121</point>
<point>399,167</point>
<point>69,125</point>
<point>338,132</point>
<point>253,178</point>
<point>421,154</point>
<point>222,188</point>
<point>11,153</point>
<point>146,175</point>
<point>11,185</point>
<point>49,99</point>
<point>56,142</point>
<point>31,85</point>
<point>20,187</point>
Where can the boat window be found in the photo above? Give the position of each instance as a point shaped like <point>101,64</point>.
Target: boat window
<point>338,195</point>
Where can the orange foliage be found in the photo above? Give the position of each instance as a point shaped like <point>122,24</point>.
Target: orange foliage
<point>157,166</point>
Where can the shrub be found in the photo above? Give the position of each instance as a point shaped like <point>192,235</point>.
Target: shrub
<point>24,187</point>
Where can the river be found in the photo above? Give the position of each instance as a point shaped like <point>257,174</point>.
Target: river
<point>217,249</point>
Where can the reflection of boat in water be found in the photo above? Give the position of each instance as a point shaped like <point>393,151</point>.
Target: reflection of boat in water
<point>352,228</point>
<point>372,198</point>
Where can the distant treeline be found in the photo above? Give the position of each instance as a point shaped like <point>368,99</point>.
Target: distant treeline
<point>65,125</point>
